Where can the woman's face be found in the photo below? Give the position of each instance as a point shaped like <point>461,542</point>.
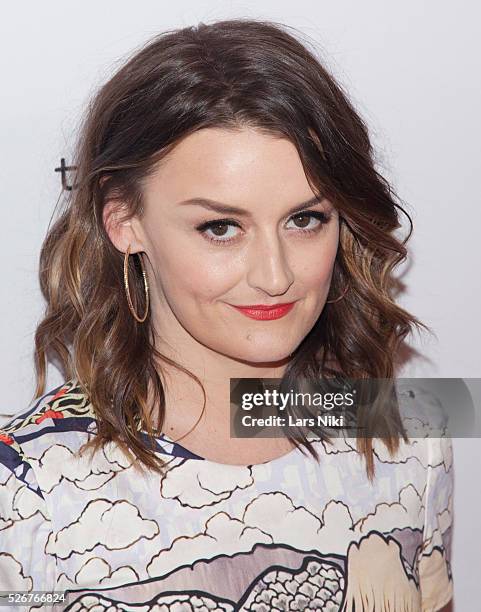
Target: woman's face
<point>202,262</point>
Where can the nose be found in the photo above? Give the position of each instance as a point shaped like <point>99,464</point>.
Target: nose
<point>268,268</point>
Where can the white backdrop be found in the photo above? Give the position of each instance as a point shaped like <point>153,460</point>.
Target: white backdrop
<point>412,70</point>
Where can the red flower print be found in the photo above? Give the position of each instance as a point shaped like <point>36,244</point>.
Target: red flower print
<point>6,439</point>
<point>49,414</point>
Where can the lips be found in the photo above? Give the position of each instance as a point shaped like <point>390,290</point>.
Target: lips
<point>265,313</point>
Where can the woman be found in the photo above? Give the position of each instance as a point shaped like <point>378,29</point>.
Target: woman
<point>227,222</point>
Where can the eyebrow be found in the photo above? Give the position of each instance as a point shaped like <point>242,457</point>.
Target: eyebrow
<point>225,209</point>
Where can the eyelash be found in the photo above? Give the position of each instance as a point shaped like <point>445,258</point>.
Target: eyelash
<point>323,217</point>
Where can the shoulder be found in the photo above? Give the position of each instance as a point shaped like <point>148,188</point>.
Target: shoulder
<point>29,457</point>
<point>64,407</point>
<point>422,409</point>
<point>62,415</point>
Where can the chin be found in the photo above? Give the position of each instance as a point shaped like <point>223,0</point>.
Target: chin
<point>263,355</point>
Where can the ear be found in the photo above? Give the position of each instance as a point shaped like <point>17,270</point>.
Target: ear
<point>121,232</point>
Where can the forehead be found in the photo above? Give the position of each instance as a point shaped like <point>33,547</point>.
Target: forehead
<point>231,166</point>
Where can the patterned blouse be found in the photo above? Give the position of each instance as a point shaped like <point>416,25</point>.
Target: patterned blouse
<point>286,534</point>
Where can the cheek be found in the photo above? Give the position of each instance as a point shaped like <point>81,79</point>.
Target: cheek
<point>207,280</point>
<point>315,268</point>
<point>198,275</point>
<point>318,273</point>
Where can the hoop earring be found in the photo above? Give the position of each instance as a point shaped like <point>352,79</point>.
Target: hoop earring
<point>339,298</point>
<point>127,290</point>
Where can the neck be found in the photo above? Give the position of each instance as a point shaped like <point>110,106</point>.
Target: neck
<point>184,398</point>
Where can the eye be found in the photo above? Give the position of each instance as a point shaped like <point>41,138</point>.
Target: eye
<point>321,219</point>
<point>218,229</point>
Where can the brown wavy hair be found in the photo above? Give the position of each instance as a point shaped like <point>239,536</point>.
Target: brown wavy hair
<point>229,74</point>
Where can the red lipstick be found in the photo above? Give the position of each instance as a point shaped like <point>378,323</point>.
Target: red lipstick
<point>264,312</point>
